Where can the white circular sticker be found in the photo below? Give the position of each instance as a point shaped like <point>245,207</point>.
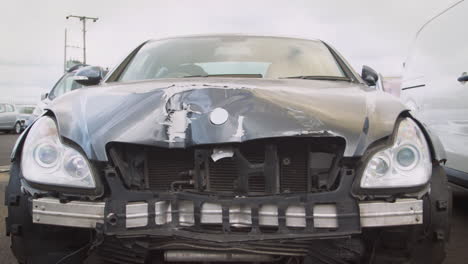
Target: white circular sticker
<point>219,116</point>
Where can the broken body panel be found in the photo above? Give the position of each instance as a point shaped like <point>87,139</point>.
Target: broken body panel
<point>176,114</point>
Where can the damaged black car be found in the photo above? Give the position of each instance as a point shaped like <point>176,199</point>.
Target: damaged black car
<point>228,148</point>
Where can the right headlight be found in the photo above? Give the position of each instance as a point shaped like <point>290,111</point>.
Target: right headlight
<point>46,160</point>
<point>407,163</point>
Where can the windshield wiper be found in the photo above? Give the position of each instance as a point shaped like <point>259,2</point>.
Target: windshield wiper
<point>227,75</point>
<point>194,76</point>
<point>314,77</point>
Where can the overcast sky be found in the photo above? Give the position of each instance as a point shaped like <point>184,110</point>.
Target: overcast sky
<point>373,32</point>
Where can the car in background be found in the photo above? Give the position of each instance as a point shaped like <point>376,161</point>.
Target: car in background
<point>24,114</point>
<point>64,85</point>
<point>435,86</point>
<point>10,120</point>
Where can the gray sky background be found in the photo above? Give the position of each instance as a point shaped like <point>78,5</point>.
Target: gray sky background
<point>373,32</point>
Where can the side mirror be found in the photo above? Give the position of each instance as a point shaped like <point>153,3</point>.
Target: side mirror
<point>44,96</point>
<point>369,75</point>
<point>90,75</point>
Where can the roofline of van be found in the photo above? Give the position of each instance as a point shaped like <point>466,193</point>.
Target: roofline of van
<point>438,15</point>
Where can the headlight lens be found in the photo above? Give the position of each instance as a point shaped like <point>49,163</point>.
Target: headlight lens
<point>46,155</point>
<point>46,160</point>
<point>405,164</point>
<point>407,157</point>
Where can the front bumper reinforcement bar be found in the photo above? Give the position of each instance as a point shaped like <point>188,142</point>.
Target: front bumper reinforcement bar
<point>87,214</point>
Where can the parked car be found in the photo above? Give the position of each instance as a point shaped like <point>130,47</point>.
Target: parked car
<point>64,85</point>
<point>229,148</point>
<point>10,120</point>
<point>435,86</point>
<point>24,114</point>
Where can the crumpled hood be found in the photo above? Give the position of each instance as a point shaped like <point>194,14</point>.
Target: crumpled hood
<point>176,113</point>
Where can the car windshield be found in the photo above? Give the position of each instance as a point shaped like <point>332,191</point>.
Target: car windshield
<point>233,56</point>
<point>25,109</point>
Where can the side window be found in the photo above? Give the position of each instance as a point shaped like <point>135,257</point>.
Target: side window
<point>2,108</point>
<point>74,85</point>
<point>9,108</point>
<point>65,85</point>
<point>56,91</point>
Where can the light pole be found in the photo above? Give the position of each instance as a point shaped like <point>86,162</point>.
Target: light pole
<point>83,19</point>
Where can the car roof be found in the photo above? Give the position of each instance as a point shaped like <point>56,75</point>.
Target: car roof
<point>236,35</point>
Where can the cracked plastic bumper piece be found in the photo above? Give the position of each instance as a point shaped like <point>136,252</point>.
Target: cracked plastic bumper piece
<point>88,214</point>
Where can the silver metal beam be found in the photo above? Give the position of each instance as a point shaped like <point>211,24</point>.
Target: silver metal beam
<point>78,214</point>
<point>209,256</point>
<point>401,212</point>
<point>87,214</point>
<point>137,215</point>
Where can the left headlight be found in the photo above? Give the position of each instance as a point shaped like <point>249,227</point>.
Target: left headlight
<point>46,160</point>
<point>407,163</point>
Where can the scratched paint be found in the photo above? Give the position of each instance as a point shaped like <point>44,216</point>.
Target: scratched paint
<point>175,113</point>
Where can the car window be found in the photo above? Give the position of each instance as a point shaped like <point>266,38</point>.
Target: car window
<point>2,108</point>
<point>25,109</point>
<point>64,85</point>
<point>9,108</point>
<point>258,57</point>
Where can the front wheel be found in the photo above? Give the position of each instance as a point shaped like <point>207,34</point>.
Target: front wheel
<point>17,128</point>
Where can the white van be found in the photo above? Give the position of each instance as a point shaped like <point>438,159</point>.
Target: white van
<point>435,85</point>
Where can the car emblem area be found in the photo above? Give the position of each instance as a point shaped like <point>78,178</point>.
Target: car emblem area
<point>219,116</point>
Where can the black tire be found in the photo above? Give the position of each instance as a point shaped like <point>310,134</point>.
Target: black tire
<point>17,129</point>
<point>422,244</point>
<point>33,243</point>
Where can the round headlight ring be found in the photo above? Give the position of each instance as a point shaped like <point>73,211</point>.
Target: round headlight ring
<point>46,155</point>
<point>407,157</point>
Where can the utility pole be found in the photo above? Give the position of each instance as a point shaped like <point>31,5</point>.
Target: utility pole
<point>66,46</point>
<point>83,19</point>
<point>65,53</point>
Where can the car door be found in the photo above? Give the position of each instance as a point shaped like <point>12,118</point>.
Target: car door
<point>435,93</point>
<point>11,115</point>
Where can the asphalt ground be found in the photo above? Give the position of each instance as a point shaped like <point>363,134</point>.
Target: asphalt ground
<point>7,141</point>
<point>6,257</point>
<point>457,250</point>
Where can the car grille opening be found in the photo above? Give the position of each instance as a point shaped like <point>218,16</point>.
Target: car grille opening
<point>283,165</point>
<point>166,167</point>
<point>293,167</point>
